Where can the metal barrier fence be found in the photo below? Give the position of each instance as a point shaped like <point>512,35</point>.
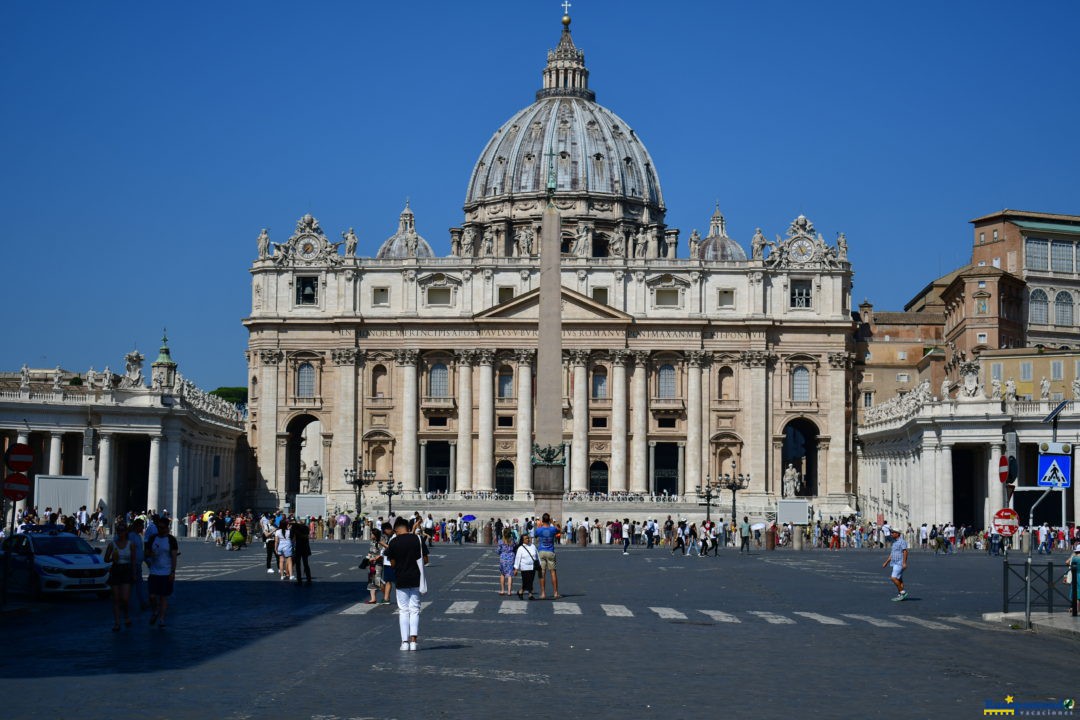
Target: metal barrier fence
<point>1037,587</point>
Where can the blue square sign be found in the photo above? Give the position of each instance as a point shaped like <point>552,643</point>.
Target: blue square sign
<point>1055,470</point>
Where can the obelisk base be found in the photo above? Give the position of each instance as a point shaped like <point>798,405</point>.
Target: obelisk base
<point>548,492</point>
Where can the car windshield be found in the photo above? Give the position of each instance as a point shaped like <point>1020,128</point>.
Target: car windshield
<point>61,546</point>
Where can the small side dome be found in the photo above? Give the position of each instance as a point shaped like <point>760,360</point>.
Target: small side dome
<point>405,243</point>
<point>718,247</point>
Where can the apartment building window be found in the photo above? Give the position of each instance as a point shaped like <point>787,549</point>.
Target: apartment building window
<point>1038,307</point>
<point>1057,370</point>
<point>995,371</point>
<point>982,238</point>
<point>901,354</point>
<point>1025,371</point>
<point>981,338</point>
<point>1063,309</point>
<point>903,377</point>
<point>1036,254</point>
<point>1061,256</point>
<point>868,399</point>
<point>801,294</point>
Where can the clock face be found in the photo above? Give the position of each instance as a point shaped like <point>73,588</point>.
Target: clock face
<point>307,248</point>
<point>802,250</point>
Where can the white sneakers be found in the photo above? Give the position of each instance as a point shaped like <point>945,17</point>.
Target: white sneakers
<point>405,646</point>
<point>412,646</point>
<point>270,570</point>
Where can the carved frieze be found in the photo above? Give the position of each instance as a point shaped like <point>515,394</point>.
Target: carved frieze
<point>619,357</point>
<point>578,357</point>
<point>485,356</point>
<point>524,356</point>
<point>270,357</point>
<point>343,356</point>
<point>405,357</point>
<point>466,357</point>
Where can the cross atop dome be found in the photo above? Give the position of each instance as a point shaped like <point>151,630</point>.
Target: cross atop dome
<point>565,74</point>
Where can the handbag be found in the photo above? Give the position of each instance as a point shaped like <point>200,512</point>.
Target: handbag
<point>365,563</point>
<point>423,576</point>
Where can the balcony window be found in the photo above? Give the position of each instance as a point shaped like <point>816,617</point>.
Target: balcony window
<point>599,384</point>
<point>666,381</point>
<point>378,381</point>
<point>439,381</point>
<point>800,384</point>
<point>506,382</point>
<point>1036,254</point>
<point>305,381</point>
<point>1038,308</point>
<point>1063,309</point>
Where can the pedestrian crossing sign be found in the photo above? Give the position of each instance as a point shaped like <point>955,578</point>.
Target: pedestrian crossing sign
<point>1055,471</point>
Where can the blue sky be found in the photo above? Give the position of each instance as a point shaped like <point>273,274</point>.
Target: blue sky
<point>144,145</point>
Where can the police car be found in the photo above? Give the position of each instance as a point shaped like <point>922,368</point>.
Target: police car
<point>47,560</point>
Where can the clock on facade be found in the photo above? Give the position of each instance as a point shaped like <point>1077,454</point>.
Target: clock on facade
<point>308,248</point>
<point>801,250</point>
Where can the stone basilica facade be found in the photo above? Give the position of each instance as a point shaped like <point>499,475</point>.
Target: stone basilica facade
<point>680,365</point>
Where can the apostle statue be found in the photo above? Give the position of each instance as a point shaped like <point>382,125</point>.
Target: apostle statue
<point>91,377</point>
<point>468,240</point>
<point>995,389</point>
<point>24,376</point>
<point>757,245</point>
<point>841,247</point>
<point>264,244</point>
<point>1010,390</point>
<point>946,386</point>
<point>1044,389</point>
<point>695,242</point>
<point>350,243</point>
<point>487,247</point>
<point>58,375</point>
<point>315,478</point>
<point>791,481</point>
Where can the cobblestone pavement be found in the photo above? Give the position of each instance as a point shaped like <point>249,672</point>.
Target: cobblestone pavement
<point>782,634</point>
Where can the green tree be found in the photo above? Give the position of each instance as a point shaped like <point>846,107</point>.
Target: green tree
<point>235,395</point>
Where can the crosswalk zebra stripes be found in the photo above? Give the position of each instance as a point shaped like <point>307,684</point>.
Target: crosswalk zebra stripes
<point>477,608</point>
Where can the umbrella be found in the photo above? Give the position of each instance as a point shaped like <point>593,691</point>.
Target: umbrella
<point>343,519</point>
<point>468,518</point>
<point>757,526</point>
<point>207,515</point>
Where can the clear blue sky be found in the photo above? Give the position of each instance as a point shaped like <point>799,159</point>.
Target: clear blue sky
<point>144,145</point>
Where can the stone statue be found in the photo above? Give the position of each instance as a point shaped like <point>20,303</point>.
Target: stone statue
<point>791,481</point>
<point>523,241</point>
<point>583,245</point>
<point>91,377</point>
<point>315,478</point>
<point>410,244</point>
<point>757,245</point>
<point>615,247</point>
<point>107,379</point>
<point>350,243</point>
<point>695,243</point>
<point>1044,389</point>
<point>995,389</point>
<point>841,247</point>
<point>641,244</point>
<point>264,244</point>
<point>946,387</point>
<point>1076,389</point>
<point>24,376</point>
<point>133,376</point>
<point>58,376</point>
<point>487,247</point>
<point>468,240</point>
<point>1010,390</point>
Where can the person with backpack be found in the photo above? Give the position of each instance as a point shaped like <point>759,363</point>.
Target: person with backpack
<point>162,552</point>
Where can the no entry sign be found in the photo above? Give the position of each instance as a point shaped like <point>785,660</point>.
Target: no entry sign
<point>19,457</point>
<point>16,487</point>
<point>1006,522</point>
<point>1003,469</point>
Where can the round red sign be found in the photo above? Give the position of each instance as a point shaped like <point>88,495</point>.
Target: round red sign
<point>1006,522</point>
<point>16,486</point>
<point>19,457</point>
<point>1003,469</point>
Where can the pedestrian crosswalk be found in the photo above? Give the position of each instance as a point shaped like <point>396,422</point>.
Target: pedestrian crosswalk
<point>479,609</point>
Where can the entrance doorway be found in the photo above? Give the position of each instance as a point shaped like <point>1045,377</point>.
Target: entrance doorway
<point>598,477</point>
<point>438,467</point>
<point>666,469</point>
<point>800,450</point>
<point>294,449</point>
<point>132,473</point>
<point>504,478</point>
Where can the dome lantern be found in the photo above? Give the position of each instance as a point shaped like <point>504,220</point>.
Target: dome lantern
<point>566,74</point>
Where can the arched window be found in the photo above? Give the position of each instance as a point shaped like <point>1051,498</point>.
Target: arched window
<point>1063,309</point>
<point>1038,309</point>
<point>378,381</point>
<point>439,381</point>
<point>666,381</point>
<point>726,384</point>
<point>506,382</point>
<point>599,383</point>
<point>305,380</point>
<point>254,392</point>
<point>800,384</point>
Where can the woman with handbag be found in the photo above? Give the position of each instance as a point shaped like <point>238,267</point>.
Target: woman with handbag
<point>122,555</point>
<point>526,561</point>
<point>374,566</point>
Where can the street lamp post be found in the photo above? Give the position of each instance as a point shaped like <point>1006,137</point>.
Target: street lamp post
<point>390,489</point>
<point>735,483</point>
<point>711,492</point>
<point>358,478</point>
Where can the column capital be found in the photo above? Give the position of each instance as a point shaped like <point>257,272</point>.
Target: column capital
<point>271,356</point>
<point>696,358</point>
<point>405,357</point>
<point>620,357</point>
<point>466,357</point>
<point>641,357</point>
<point>451,442</point>
<point>344,356</point>
<point>524,356</point>
<point>578,357</point>
<point>485,356</point>
<point>423,442</point>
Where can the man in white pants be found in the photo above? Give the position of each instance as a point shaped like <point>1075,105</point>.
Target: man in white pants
<point>404,550</point>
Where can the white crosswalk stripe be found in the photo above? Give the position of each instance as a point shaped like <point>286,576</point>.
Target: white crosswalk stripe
<point>823,619</point>
<point>512,607</point>
<point>616,611</point>
<point>720,616</point>
<point>462,607</point>
<point>928,624</point>
<point>423,607</point>
<point>876,622</point>
<point>358,609</point>
<point>566,608</point>
<point>668,613</point>
<point>772,618</point>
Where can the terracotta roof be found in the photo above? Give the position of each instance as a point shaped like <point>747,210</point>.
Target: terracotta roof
<point>1007,213</point>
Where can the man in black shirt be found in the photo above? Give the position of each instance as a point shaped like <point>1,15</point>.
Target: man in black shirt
<point>405,551</point>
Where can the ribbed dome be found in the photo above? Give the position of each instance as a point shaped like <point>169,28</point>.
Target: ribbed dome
<point>405,243</point>
<point>718,247</point>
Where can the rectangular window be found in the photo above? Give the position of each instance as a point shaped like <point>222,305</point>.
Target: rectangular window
<point>995,371</point>
<point>437,421</point>
<point>1057,370</point>
<point>506,421</point>
<point>982,238</point>
<point>1061,256</point>
<point>981,337</point>
<point>1036,254</point>
<point>506,294</point>
<point>217,466</point>
<point>599,422</point>
<point>1057,397</point>
<point>901,354</point>
<point>1025,371</point>
<point>982,283</point>
<point>726,299</point>
<point>801,294</point>
<point>599,386</point>
<point>307,291</point>
<point>600,295</point>
<point>868,377</point>
<point>667,297</point>
<point>868,399</point>
<point>380,296</point>
<point>666,423</point>
<point>438,296</point>
<point>903,377</point>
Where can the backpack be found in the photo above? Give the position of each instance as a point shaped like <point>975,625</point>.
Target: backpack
<point>933,533</point>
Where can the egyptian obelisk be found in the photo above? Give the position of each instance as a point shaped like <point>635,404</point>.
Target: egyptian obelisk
<point>548,460</point>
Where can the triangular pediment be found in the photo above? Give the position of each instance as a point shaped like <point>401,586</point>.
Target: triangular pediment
<point>575,308</point>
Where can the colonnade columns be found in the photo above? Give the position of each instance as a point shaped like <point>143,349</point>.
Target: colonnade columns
<point>523,465</point>
<point>641,470</point>
<point>464,474</point>
<point>104,489</point>
<point>928,478</point>
<point>172,478</point>
<point>422,475</point>
<point>619,481</point>
<point>944,505</point>
<point>694,360</point>
<point>451,482</point>
<point>56,443</point>
<point>681,488</point>
<point>153,478</point>
<point>579,466</point>
<point>566,466</point>
<point>24,439</point>
<point>993,483</point>
<point>343,452</point>
<point>485,445</point>
<point>271,458</point>
<point>406,360</point>
<point>652,465</point>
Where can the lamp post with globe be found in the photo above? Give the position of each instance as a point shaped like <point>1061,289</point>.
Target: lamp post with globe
<point>734,483</point>
<point>390,489</point>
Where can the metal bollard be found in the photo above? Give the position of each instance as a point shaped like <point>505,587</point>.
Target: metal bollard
<point>1005,586</point>
<point>1027,593</point>
<point>1050,586</point>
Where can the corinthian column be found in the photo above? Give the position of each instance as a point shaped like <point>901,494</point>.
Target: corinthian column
<point>523,466</point>
<point>639,477</point>
<point>579,467</point>
<point>694,360</point>
<point>618,480</point>
<point>485,450</point>
<point>153,479</point>
<point>464,478</point>
<point>406,360</point>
